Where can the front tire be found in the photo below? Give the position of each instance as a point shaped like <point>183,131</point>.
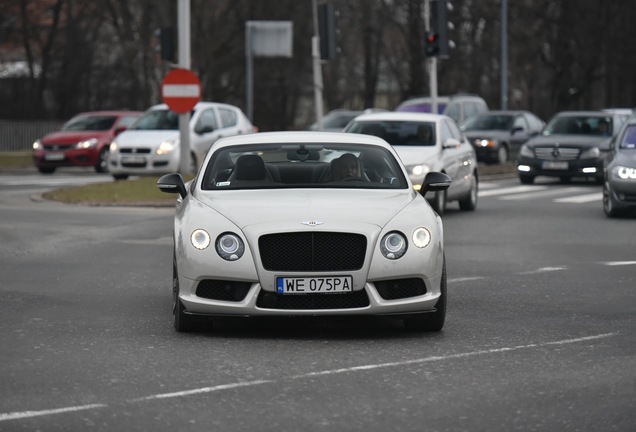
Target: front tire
<point>502,154</point>
<point>433,321</point>
<point>182,322</point>
<point>470,202</point>
<point>102,161</point>
<point>46,170</point>
<point>608,203</point>
<point>526,179</point>
<point>120,176</point>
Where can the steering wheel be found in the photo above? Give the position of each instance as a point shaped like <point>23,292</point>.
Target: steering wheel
<point>354,178</point>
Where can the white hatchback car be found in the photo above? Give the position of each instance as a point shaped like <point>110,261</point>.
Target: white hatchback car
<point>306,224</point>
<point>151,145</point>
<point>426,143</point>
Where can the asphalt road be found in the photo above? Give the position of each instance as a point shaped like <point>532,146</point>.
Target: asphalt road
<point>540,332</point>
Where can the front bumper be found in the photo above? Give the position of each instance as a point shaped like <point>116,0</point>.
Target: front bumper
<point>556,168</point>
<point>66,158</point>
<point>622,192</point>
<point>143,164</point>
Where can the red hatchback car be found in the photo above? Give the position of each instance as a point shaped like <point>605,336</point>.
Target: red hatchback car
<point>82,141</point>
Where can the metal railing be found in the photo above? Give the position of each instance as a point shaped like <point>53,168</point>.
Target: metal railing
<point>18,135</point>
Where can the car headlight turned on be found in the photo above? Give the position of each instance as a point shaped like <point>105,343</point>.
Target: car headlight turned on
<point>113,147</point>
<point>592,153</point>
<point>526,151</point>
<point>37,145</point>
<point>166,147</point>
<point>86,144</point>
<point>393,245</point>
<point>485,143</point>
<point>625,173</point>
<point>229,246</point>
<point>200,239</point>
<point>421,237</point>
<point>419,170</point>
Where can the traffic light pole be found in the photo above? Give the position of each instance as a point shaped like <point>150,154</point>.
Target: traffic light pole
<point>183,20</point>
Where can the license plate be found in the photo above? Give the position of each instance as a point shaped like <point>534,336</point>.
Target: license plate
<point>314,285</point>
<point>54,156</point>
<point>555,165</point>
<point>133,159</point>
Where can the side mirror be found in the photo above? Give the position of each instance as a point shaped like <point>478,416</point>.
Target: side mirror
<point>119,130</point>
<point>172,183</point>
<point>204,129</point>
<point>516,129</point>
<point>452,143</point>
<point>435,181</point>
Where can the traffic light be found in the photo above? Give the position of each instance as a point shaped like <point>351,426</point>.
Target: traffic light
<point>166,41</point>
<point>438,37</point>
<point>432,44</point>
<point>327,31</point>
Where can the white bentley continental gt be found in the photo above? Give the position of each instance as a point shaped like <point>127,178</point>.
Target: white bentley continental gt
<point>306,224</point>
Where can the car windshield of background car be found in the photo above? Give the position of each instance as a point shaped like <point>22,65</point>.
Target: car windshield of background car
<point>578,125</point>
<point>489,122</point>
<point>398,133</point>
<point>277,166</point>
<point>338,121</point>
<point>160,119</point>
<point>90,123</point>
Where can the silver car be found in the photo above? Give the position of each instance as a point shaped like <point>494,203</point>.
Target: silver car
<point>306,224</point>
<point>426,143</point>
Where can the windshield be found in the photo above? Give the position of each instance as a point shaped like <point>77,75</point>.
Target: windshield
<point>397,133</point>
<point>90,123</point>
<point>629,139</point>
<point>579,125</point>
<point>326,165</point>
<point>338,121</point>
<point>159,119</point>
<point>489,122</point>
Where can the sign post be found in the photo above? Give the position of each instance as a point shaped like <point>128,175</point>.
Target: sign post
<point>181,90</point>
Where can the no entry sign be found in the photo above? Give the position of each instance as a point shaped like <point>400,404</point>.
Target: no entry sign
<point>181,90</point>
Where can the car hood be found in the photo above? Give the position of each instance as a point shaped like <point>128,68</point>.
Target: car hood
<point>415,155</point>
<point>487,134</point>
<point>570,141</point>
<point>145,138</point>
<point>62,137</point>
<point>326,207</point>
<point>626,158</point>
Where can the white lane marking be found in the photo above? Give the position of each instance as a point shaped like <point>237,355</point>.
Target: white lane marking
<point>541,194</point>
<point>202,390</point>
<point>510,190</point>
<point>451,356</point>
<point>580,199</point>
<point>543,270</point>
<point>618,263</point>
<point>465,279</point>
<point>27,414</point>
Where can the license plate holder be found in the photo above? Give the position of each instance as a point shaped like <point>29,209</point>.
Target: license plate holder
<point>133,159</point>
<point>555,165</point>
<point>58,156</point>
<point>314,285</point>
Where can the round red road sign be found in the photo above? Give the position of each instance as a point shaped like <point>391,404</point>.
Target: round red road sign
<point>181,90</point>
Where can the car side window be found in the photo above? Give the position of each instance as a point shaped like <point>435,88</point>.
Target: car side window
<point>520,122</point>
<point>470,109</point>
<point>453,131</point>
<point>228,117</point>
<point>445,131</point>
<point>126,121</point>
<point>454,112</point>
<point>207,122</point>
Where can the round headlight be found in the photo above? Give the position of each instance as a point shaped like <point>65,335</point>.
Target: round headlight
<point>626,173</point>
<point>229,246</point>
<point>393,245</point>
<point>421,237</point>
<point>200,239</point>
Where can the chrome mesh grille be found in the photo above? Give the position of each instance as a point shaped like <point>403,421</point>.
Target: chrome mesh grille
<point>557,153</point>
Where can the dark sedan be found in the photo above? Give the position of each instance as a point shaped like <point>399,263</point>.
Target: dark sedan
<point>573,144</point>
<point>498,135</point>
<point>619,187</point>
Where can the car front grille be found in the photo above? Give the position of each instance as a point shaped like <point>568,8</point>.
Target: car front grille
<point>214,289</point>
<point>57,147</point>
<point>352,300</point>
<point>312,251</point>
<point>134,150</point>
<point>400,288</point>
<point>557,153</point>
